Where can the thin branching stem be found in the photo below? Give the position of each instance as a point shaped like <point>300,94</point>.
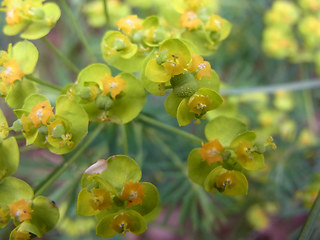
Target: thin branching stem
<point>169,128</point>
<point>60,55</point>
<point>43,83</point>
<point>77,28</point>
<point>124,135</point>
<point>106,12</point>
<point>49,180</point>
<point>292,86</point>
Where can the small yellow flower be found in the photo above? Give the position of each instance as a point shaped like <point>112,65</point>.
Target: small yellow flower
<point>129,24</point>
<point>244,151</point>
<point>175,64</point>
<point>133,193</point>
<point>12,72</point>
<point>112,85</point>
<point>210,152</point>
<point>190,20</point>
<point>226,180</point>
<point>41,113</point>
<point>100,199</point>
<point>21,209</point>
<point>215,23</point>
<point>13,16</point>
<point>203,68</point>
<point>199,104</point>
<point>122,223</point>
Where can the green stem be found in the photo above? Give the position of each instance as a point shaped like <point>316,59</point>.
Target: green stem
<point>43,83</point>
<point>168,128</point>
<point>167,151</point>
<point>49,180</point>
<point>292,86</point>
<point>307,229</point>
<point>124,139</point>
<point>106,12</point>
<point>78,30</point>
<point>61,55</point>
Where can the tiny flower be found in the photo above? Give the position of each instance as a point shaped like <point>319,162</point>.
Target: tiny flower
<point>21,210</point>
<point>199,104</point>
<point>11,72</point>
<point>244,151</point>
<point>41,113</point>
<point>100,199</point>
<point>122,223</point>
<point>133,193</point>
<point>202,68</point>
<point>225,181</point>
<point>21,235</point>
<point>13,16</point>
<point>27,123</point>
<point>175,64</point>
<point>210,152</point>
<point>113,85</point>
<point>190,20</point>
<point>270,142</point>
<point>129,24</point>
<point>215,23</point>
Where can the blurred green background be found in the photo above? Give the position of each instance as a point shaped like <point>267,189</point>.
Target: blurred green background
<point>254,87</point>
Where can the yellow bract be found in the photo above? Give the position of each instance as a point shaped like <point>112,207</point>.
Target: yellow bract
<point>41,113</point>
<point>133,193</point>
<point>210,152</point>
<point>190,20</point>
<point>129,24</point>
<point>21,209</point>
<point>12,72</point>
<point>112,85</point>
<point>199,104</point>
<point>100,199</point>
<point>214,23</point>
<point>203,68</point>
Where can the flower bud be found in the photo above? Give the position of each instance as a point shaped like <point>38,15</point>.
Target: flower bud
<point>58,131</point>
<point>104,102</point>
<point>119,44</point>
<point>85,92</point>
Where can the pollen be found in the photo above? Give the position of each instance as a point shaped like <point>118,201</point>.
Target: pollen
<point>13,16</point>
<point>211,151</point>
<point>12,72</point>
<point>190,20</point>
<point>175,64</point>
<point>113,85</point>
<point>41,113</point>
<point>129,24</point>
<point>226,180</point>
<point>21,210</point>
<point>201,67</point>
<point>133,193</point>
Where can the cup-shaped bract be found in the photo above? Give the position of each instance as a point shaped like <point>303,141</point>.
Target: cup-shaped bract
<point>111,190</point>
<point>19,61</point>
<point>61,131</point>
<point>31,18</point>
<point>105,98</point>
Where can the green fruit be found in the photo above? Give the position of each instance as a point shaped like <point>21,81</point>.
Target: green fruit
<point>104,102</point>
<point>184,85</point>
